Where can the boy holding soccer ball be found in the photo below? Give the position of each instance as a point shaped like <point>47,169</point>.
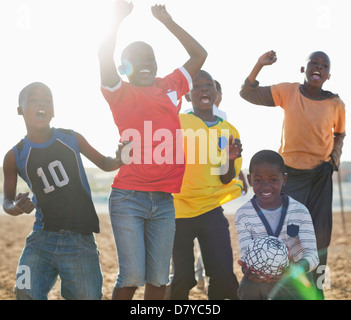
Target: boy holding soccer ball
<point>312,138</point>
<point>272,213</point>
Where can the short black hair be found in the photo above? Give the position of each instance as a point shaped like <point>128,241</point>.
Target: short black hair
<point>134,46</point>
<point>267,156</point>
<point>318,52</point>
<point>204,73</point>
<point>24,92</point>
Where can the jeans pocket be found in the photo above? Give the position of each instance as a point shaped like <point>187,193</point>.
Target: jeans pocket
<point>118,196</point>
<point>35,235</point>
<point>88,241</point>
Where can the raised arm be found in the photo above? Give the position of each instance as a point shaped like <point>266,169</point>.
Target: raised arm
<point>108,70</point>
<point>196,52</point>
<point>266,59</point>
<point>250,90</point>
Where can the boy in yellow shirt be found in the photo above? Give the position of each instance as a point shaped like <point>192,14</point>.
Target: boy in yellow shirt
<point>213,159</point>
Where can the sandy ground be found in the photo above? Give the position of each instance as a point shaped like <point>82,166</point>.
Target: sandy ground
<point>15,229</point>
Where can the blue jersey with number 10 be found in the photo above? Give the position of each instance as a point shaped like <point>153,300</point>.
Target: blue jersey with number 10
<point>55,174</point>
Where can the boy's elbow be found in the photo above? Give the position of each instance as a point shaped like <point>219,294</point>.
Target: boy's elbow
<point>226,178</point>
<point>200,55</point>
<point>242,94</point>
<point>204,55</point>
<point>246,91</point>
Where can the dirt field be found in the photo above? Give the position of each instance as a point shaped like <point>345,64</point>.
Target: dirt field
<point>15,229</point>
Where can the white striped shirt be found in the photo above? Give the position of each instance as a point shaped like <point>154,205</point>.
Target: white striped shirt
<point>301,245</point>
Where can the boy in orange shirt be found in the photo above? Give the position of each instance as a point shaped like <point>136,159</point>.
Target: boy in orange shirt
<point>312,138</point>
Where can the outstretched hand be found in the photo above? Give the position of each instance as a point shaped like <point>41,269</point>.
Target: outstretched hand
<point>235,148</point>
<point>267,58</point>
<point>123,9</point>
<point>160,13</point>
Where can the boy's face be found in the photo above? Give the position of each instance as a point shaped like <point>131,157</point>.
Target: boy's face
<point>204,94</point>
<point>267,181</point>
<point>142,63</point>
<point>317,69</point>
<point>37,107</point>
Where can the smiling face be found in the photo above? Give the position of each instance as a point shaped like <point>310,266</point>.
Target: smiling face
<point>139,64</point>
<point>317,70</point>
<point>36,106</point>
<point>267,181</point>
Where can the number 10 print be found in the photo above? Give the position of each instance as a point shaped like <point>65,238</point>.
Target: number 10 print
<point>59,183</point>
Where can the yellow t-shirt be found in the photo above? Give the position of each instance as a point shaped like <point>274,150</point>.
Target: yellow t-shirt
<point>309,126</point>
<point>204,148</point>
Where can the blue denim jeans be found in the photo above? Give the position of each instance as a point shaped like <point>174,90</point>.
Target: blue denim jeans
<point>143,225</point>
<point>72,256</point>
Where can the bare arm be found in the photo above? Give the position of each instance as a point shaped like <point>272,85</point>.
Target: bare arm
<point>12,204</point>
<point>337,150</point>
<point>108,70</point>
<point>196,52</point>
<point>235,149</point>
<point>266,59</point>
<point>102,162</point>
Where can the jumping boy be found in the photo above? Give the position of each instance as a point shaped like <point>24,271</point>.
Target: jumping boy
<point>205,188</point>
<point>271,213</point>
<point>141,201</point>
<point>312,138</point>
<point>62,242</point>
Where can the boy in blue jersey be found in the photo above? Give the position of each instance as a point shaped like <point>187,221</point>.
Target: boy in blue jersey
<point>62,242</point>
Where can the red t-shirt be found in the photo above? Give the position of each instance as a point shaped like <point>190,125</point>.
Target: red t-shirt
<point>148,116</point>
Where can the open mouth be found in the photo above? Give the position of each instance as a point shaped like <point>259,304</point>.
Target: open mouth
<point>316,75</point>
<point>205,99</point>
<point>41,113</point>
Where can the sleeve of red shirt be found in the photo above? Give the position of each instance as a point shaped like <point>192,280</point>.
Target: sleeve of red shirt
<point>181,80</point>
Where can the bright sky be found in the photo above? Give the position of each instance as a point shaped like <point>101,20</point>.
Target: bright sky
<point>56,42</point>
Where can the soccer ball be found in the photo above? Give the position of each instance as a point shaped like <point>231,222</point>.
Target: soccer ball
<point>267,255</point>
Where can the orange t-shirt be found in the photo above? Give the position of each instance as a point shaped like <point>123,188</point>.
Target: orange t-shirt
<point>309,126</point>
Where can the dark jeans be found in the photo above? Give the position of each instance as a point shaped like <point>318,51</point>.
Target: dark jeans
<point>314,188</point>
<point>212,231</point>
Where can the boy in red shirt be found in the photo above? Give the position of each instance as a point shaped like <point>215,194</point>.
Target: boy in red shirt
<point>145,111</point>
